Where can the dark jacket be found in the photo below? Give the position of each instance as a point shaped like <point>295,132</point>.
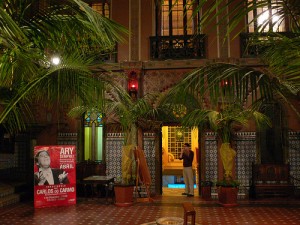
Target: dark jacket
<point>56,173</point>
<point>188,159</point>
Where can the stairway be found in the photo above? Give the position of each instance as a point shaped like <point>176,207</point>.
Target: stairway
<point>12,193</point>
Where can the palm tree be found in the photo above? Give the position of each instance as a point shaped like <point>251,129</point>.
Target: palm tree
<point>224,122</point>
<point>29,35</point>
<point>278,51</point>
<point>221,114</point>
<point>132,114</point>
<point>127,114</point>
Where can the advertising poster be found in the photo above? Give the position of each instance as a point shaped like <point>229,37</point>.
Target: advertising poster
<point>54,175</point>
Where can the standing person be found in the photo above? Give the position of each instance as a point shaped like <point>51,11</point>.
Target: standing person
<point>188,176</point>
<point>47,175</point>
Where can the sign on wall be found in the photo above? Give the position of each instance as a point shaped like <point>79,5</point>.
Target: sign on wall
<point>54,175</point>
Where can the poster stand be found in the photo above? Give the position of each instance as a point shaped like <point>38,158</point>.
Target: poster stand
<point>54,175</point>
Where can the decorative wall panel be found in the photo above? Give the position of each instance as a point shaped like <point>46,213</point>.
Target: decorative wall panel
<point>149,150</point>
<point>114,143</point>
<point>294,156</point>
<point>156,81</point>
<point>211,157</point>
<point>113,149</point>
<point>246,155</point>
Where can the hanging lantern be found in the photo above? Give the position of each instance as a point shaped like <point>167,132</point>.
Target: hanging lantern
<point>133,83</point>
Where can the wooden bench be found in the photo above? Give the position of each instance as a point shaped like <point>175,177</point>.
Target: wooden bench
<point>271,180</point>
<point>189,211</point>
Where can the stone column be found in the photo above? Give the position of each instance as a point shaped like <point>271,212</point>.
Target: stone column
<point>134,26</point>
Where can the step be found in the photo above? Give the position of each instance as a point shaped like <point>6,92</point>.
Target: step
<point>6,189</point>
<point>12,192</point>
<point>9,200</point>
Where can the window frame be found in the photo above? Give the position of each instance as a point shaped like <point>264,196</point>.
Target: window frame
<point>170,30</point>
<point>105,7</point>
<point>264,27</point>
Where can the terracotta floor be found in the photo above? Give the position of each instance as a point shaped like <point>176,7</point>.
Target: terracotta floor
<point>95,211</point>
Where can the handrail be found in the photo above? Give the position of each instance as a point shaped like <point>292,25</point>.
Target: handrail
<point>252,50</point>
<point>178,47</point>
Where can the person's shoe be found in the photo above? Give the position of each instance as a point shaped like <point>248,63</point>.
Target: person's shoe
<point>184,193</point>
<point>190,195</point>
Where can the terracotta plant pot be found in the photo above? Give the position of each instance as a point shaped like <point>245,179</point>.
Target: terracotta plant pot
<point>228,196</point>
<point>123,195</point>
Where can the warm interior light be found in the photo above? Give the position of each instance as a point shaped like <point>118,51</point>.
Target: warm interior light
<point>262,18</point>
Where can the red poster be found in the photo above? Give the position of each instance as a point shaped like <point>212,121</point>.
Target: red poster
<point>54,175</point>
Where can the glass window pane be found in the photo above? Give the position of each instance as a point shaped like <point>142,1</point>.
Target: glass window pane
<point>267,18</point>
<point>102,8</point>
<point>93,136</point>
<point>178,14</point>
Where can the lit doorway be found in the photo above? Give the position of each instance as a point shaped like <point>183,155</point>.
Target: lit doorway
<point>173,139</point>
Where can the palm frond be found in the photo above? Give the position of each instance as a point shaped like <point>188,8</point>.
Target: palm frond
<point>221,81</point>
<point>31,34</point>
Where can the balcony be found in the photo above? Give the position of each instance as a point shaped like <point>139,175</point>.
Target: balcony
<point>177,47</point>
<point>251,50</point>
<point>109,56</point>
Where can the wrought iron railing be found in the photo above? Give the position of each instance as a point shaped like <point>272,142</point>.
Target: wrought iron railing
<point>107,57</point>
<point>178,47</point>
<point>251,50</point>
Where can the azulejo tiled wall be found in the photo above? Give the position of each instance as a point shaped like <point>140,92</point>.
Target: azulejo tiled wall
<point>294,156</point>
<point>149,149</point>
<point>245,156</point>
<point>245,148</point>
<point>211,157</point>
<point>114,143</point>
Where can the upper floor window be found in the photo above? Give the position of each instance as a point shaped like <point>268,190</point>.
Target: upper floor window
<point>265,18</point>
<point>102,7</point>
<point>176,17</point>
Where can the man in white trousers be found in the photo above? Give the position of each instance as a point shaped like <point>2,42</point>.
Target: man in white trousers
<point>188,176</point>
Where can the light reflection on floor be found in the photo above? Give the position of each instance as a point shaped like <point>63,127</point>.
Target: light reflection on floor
<point>176,191</point>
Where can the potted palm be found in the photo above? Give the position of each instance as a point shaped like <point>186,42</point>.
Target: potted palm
<point>224,122</point>
<point>128,112</point>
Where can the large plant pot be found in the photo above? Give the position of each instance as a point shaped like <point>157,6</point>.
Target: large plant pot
<point>228,196</point>
<point>123,195</point>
